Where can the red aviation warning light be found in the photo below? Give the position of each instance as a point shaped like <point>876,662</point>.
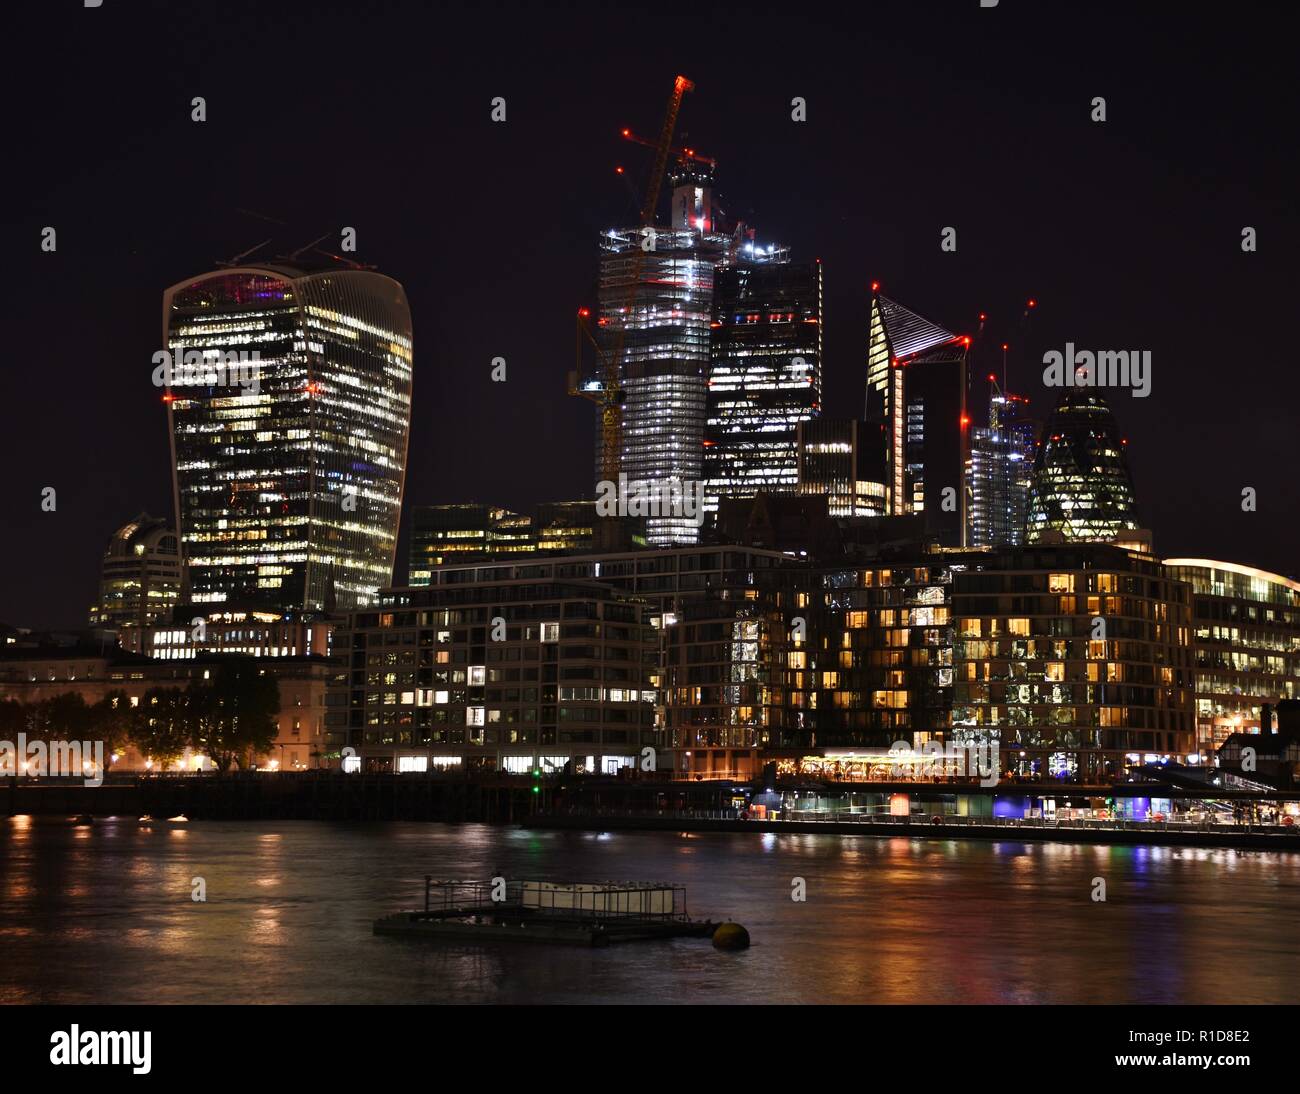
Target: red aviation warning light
<point>875,286</point>
<point>611,395</point>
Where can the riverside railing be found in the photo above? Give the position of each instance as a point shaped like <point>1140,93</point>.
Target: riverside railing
<point>939,820</point>
<point>583,900</point>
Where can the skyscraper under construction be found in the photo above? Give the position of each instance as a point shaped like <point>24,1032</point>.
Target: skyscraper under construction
<point>664,321</point>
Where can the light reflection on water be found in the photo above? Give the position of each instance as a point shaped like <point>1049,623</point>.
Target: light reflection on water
<point>105,914</point>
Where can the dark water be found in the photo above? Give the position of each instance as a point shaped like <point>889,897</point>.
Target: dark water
<point>106,915</point>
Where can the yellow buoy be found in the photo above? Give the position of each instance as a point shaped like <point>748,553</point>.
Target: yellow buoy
<point>731,936</point>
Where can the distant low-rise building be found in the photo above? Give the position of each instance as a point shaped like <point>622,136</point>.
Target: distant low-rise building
<point>447,534</point>
<point>1246,630</point>
<point>1272,758</point>
<point>251,631</point>
<point>32,675</point>
<point>140,577</point>
<point>514,676</point>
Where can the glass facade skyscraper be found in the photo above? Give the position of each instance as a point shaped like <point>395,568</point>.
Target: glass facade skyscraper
<point>1081,487</point>
<point>665,355</point>
<point>765,376</point>
<point>288,489</point>
<point>999,472</point>
<point>664,321</point>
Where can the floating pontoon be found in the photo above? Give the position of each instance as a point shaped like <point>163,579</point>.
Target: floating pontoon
<point>593,914</point>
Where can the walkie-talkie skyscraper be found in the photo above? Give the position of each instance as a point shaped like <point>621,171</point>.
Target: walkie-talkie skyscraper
<point>288,474</point>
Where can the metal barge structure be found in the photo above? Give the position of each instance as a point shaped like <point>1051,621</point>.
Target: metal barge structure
<point>597,914</point>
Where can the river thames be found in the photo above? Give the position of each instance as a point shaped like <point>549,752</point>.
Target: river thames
<point>105,914</point>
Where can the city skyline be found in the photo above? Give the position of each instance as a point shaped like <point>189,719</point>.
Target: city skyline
<point>833,462</point>
<point>1189,495</point>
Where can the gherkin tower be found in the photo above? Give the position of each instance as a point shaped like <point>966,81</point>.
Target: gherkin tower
<point>1081,488</point>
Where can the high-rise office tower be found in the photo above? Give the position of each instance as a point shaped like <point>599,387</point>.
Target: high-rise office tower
<point>1081,487</point>
<point>664,320</point>
<point>288,468</point>
<point>999,472</point>
<point>845,460</point>
<point>140,578</point>
<point>916,389</point>
<point>765,376</point>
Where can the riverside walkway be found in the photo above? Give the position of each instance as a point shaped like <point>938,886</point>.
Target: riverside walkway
<point>1158,833</point>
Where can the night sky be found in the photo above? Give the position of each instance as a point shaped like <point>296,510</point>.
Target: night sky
<point>376,116</point>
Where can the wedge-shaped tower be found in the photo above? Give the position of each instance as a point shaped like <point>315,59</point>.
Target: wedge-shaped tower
<point>916,389</point>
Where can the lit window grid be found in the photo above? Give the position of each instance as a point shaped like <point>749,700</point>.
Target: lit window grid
<point>325,419</point>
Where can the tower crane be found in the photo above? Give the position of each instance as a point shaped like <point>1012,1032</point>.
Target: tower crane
<point>608,394</point>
